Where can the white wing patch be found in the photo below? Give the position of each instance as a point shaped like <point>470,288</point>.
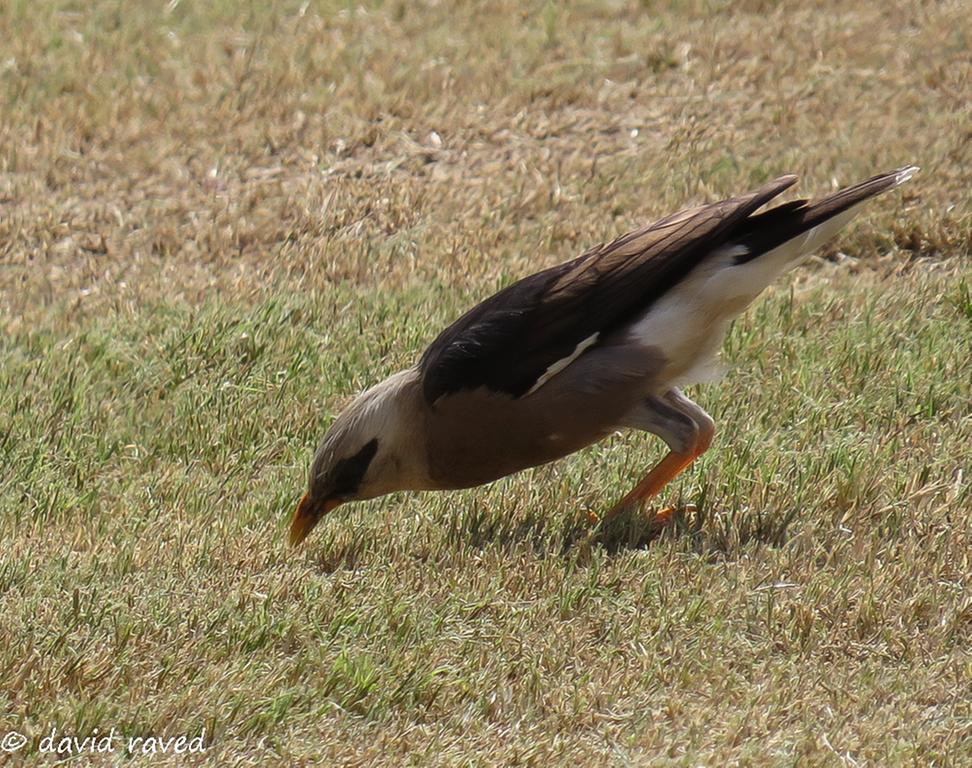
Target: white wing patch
<point>557,367</point>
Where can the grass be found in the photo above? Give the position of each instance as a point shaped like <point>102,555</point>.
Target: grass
<point>218,221</point>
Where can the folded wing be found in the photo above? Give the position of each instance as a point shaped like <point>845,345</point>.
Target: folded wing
<point>538,325</point>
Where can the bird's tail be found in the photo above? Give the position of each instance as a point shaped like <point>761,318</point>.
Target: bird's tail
<point>766,245</point>
<point>804,225</point>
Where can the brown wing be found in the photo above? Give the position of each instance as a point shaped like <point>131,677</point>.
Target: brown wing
<point>508,342</point>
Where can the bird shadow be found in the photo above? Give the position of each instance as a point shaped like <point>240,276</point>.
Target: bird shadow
<point>628,529</point>
<point>719,534</point>
<point>716,534</point>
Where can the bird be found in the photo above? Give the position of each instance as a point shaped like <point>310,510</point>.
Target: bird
<point>562,358</point>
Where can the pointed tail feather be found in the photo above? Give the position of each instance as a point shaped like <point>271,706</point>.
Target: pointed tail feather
<point>818,221</point>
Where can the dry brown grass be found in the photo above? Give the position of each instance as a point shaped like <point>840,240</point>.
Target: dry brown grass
<point>181,149</point>
<point>216,220</point>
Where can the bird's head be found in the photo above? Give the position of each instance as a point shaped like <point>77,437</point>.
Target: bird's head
<point>369,450</point>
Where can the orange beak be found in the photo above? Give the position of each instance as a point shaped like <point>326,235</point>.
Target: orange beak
<point>307,515</point>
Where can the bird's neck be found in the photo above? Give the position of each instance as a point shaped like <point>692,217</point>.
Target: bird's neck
<point>405,429</point>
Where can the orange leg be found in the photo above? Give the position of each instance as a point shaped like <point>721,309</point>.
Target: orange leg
<point>686,428</point>
<point>651,484</point>
<point>662,474</point>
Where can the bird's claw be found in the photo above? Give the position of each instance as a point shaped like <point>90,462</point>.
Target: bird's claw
<point>662,517</point>
<point>665,517</point>
<point>659,519</point>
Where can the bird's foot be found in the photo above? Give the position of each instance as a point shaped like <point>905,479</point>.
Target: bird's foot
<point>657,520</point>
<point>662,518</point>
<point>666,517</point>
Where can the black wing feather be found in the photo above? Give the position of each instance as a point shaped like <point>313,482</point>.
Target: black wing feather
<point>765,231</point>
<point>507,342</point>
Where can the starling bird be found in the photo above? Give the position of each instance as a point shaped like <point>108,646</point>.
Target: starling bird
<point>563,358</point>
